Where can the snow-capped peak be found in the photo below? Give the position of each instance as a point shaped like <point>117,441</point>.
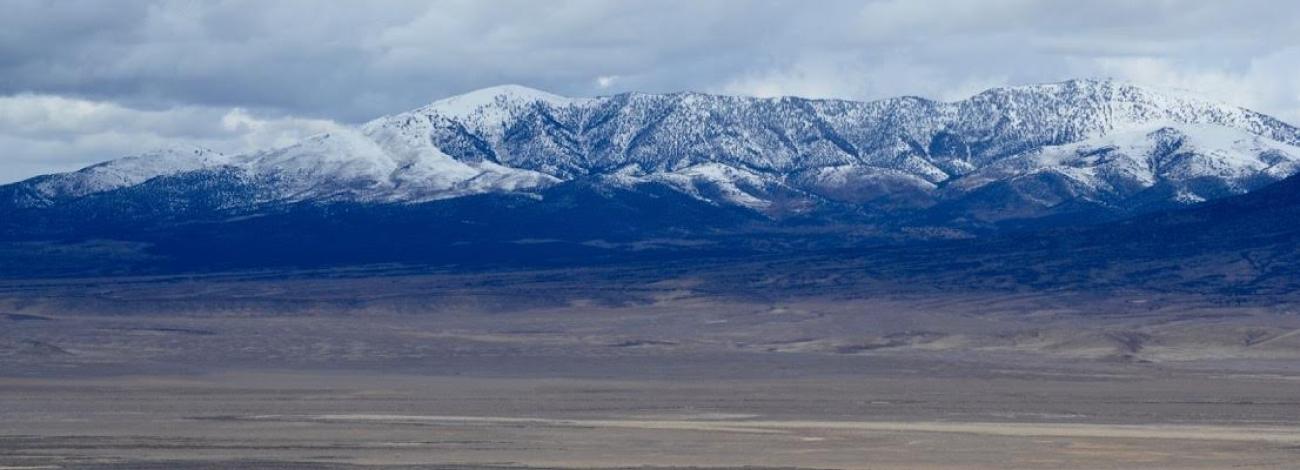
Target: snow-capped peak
<point>511,92</point>
<point>493,104</point>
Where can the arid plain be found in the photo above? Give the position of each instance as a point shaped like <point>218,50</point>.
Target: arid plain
<point>564,369</point>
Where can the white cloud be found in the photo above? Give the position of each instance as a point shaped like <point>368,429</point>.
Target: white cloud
<point>606,81</point>
<point>44,134</point>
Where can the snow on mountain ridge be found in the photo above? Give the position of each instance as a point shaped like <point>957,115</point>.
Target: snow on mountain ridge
<point>738,150</point>
<point>1117,166</point>
<point>1110,105</point>
<point>566,137</point>
<point>486,109</point>
<point>127,171</point>
<point>379,166</point>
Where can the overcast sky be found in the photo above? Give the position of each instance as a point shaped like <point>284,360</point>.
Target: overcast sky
<point>82,82</point>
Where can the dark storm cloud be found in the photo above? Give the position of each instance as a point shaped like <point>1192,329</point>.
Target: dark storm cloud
<point>280,67</point>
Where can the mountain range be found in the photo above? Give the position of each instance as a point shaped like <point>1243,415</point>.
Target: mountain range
<point>515,167</point>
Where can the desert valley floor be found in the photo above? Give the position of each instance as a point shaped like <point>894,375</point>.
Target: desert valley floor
<point>548,370</point>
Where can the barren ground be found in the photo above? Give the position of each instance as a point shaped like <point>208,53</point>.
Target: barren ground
<point>539,372</point>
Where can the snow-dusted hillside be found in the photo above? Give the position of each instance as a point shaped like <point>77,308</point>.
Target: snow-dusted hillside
<point>1141,165</point>
<point>1031,148</point>
<point>116,174</point>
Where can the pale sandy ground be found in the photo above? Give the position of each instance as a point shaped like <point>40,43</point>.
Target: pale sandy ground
<point>155,376</point>
<point>340,420</point>
<point>1275,434</point>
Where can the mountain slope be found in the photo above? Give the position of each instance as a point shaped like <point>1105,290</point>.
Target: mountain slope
<point>47,190</point>
<point>1142,168</point>
<point>1240,249</point>
<point>1048,154</point>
